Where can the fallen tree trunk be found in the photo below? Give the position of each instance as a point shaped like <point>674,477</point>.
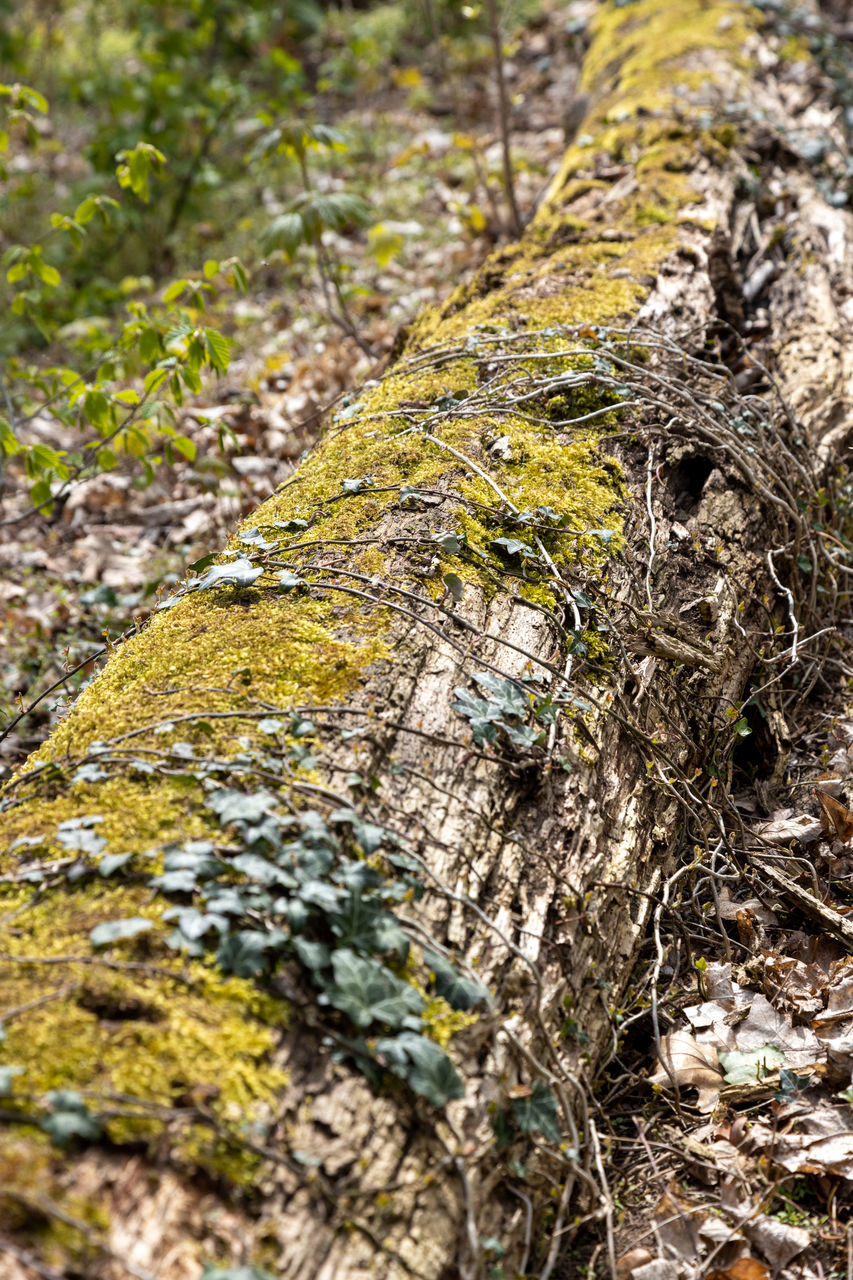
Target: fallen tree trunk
<point>321,905</point>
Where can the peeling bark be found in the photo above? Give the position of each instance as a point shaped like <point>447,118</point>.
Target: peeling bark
<point>543,878</point>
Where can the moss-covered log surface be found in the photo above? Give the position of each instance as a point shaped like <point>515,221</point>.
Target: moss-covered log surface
<point>320,907</point>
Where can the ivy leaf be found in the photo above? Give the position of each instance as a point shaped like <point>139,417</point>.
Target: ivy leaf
<point>790,1084</point>
<point>366,991</point>
<point>288,580</point>
<point>511,700</point>
<point>424,1066</point>
<point>537,1113</point>
<point>76,833</point>
<point>514,547</point>
<point>112,862</point>
<point>238,806</point>
<point>194,924</point>
<point>244,953</point>
<point>745,1066</point>
<point>355,925</point>
<point>356,485</point>
<point>455,586</point>
<point>480,713</point>
<point>367,834</point>
<point>449,542</point>
<point>314,955</point>
<point>103,935</point>
<point>270,725</point>
<point>521,735</point>
<point>69,1118</point>
<point>90,773</point>
<point>239,573</point>
<point>459,992</point>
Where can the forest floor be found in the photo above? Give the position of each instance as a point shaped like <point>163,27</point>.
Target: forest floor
<point>706,1174</point>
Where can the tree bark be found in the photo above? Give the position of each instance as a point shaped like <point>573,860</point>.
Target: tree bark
<point>604,476</point>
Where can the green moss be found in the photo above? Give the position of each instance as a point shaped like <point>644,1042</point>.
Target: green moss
<point>145,1030</point>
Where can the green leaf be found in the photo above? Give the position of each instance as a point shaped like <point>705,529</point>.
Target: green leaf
<point>240,281</point>
<point>32,98</point>
<point>128,396</point>
<point>537,1113</point>
<point>218,349</point>
<point>9,443</point>
<point>455,586</point>
<point>184,446</point>
<point>286,232</point>
<point>110,931</point>
<point>480,713</point>
<point>745,1066</point>
<point>366,991</point>
<point>449,542</point>
<point>69,1118</point>
<point>96,406</point>
<point>245,953</point>
<point>85,211</point>
<point>173,291</point>
<point>741,727</point>
<point>47,274</point>
<point>459,992</point>
<point>239,573</point>
<point>424,1066</point>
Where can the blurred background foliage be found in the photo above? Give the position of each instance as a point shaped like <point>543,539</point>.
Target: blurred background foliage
<point>144,144</point>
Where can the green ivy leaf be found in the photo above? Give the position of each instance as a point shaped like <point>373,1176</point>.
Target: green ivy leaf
<point>746,1066</point>
<point>239,573</point>
<point>110,931</point>
<point>245,953</point>
<point>455,586</point>
<point>537,1113</point>
<point>69,1118</point>
<point>459,992</point>
<point>424,1066</point>
<point>366,992</point>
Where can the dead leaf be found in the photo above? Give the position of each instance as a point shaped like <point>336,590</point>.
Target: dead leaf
<point>785,825</point>
<point>691,1066</point>
<point>630,1260</point>
<point>777,1241</point>
<point>836,817</point>
<point>743,1269</point>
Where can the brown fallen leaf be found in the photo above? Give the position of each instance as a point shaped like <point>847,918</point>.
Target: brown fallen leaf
<point>691,1066</point>
<point>630,1260</point>
<point>743,1269</point>
<point>836,817</point>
